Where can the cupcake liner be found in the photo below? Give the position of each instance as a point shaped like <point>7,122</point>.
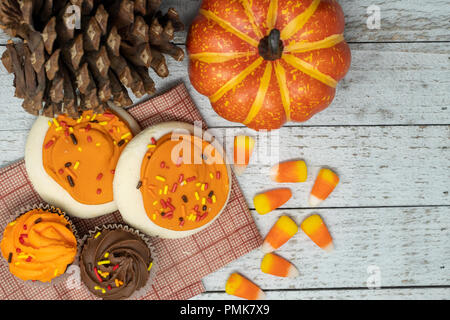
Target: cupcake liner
<point>147,287</point>
<point>49,208</point>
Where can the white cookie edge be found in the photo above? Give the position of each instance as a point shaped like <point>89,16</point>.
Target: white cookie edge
<point>47,188</point>
<point>128,171</point>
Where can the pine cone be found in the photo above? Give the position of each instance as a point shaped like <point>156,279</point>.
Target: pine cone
<point>69,62</point>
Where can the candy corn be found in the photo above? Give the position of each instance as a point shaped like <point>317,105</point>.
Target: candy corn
<point>270,200</point>
<point>289,171</point>
<point>278,266</point>
<point>314,228</point>
<point>325,183</point>
<point>281,232</point>
<point>241,287</point>
<point>243,149</point>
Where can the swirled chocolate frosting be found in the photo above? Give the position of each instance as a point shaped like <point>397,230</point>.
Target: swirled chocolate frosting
<point>115,263</point>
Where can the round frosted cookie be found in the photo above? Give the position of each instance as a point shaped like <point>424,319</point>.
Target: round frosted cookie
<point>71,162</point>
<point>170,183</point>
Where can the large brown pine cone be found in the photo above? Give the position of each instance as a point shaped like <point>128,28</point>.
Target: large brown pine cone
<point>79,54</point>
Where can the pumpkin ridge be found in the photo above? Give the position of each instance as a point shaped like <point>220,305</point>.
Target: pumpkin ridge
<point>260,96</point>
<point>308,69</point>
<point>272,13</point>
<point>236,80</point>
<point>299,21</point>
<point>328,42</point>
<point>251,17</point>
<point>228,27</point>
<point>280,72</point>
<point>219,57</point>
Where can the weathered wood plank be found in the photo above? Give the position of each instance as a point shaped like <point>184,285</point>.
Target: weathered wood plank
<point>409,246</point>
<point>386,85</point>
<point>382,294</point>
<point>378,166</point>
<point>405,20</point>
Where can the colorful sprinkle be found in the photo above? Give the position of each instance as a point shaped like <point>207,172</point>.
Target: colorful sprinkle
<point>49,144</point>
<point>99,191</point>
<point>100,176</point>
<point>103,262</point>
<point>160,178</point>
<point>97,235</point>
<point>150,266</point>
<point>77,164</point>
<point>74,139</point>
<point>197,197</point>
<point>70,180</point>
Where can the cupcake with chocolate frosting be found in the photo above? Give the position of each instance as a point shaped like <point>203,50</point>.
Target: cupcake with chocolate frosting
<point>116,262</point>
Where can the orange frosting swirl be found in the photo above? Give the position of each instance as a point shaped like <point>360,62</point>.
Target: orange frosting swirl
<point>188,191</point>
<point>39,245</point>
<point>81,154</point>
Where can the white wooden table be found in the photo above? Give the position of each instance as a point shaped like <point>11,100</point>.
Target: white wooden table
<point>387,134</point>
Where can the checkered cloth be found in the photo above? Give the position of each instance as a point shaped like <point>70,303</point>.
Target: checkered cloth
<point>182,263</point>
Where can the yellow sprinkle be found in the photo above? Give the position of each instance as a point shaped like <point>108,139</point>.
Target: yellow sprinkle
<point>103,262</point>
<point>58,129</point>
<point>12,223</point>
<point>56,272</point>
<point>115,142</point>
<point>103,123</point>
<point>106,255</point>
<point>56,122</point>
<point>211,175</point>
<point>155,202</point>
<point>154,217</point>
<point>213,198</point>
<point>203,201</point>
<point>71,129</point>
<point>196,195</point>
<point>198,184</point>
<point>166,188</point>
<point>88,117</point>
<point>126,140</point>
<point>203,187</point>
<point>49,123</point>
<point>151,146</point>
<point>126,135</point>
<point>117,283</point>
<point>97,235</point>
<point>79,119</point>
<point>17,263</point>
<point>80,149</point>
<point>150,266</point>
<point>94,116</point>
<point>98,144</point>
<point>76,165</point>
<point>160,191</point>
<point>160,178</point>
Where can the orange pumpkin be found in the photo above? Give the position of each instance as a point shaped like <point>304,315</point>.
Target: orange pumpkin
<point>266,62</point>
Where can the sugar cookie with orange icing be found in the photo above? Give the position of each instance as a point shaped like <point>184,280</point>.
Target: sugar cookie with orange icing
<point>170,183</point>
<point>71,162</point>
<point>39,245</point>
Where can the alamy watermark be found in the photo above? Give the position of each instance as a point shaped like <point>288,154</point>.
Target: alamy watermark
<point>374,19</point>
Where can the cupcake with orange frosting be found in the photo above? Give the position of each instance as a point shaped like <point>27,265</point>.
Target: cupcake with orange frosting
<point>171,183</point>
<point>71,162</point>
<point>39,245</point>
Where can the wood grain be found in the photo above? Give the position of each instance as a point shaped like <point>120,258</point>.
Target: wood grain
<point>378,166</point>
<point>345,294</point>
<point>386,85</point>
<point>409,245</point>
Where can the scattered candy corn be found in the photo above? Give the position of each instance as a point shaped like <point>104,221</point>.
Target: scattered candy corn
<point>314,228</point>
<point>289,171</point>
<point>241,287</point>
<point>270,200</point>
<point>243,149</point>
<point>325,183</point>
<point>278,266</point>
<point>281,232</point>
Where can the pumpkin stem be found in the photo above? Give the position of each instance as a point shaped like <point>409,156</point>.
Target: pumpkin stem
<point>271,47</point>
